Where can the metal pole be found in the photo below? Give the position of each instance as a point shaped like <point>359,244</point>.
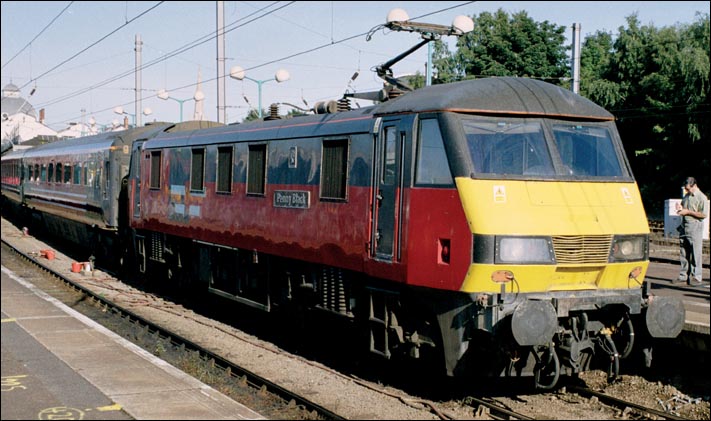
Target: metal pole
<point>221,116</point>
<point>575,59</point>
<point>259,84</point>
<point>139,106</point>
<point>428,81</point>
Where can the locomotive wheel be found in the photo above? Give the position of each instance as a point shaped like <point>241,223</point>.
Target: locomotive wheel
<point>547,368</point>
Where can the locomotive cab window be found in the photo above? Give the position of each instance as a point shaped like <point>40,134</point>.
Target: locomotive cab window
<point>334,169</point>
<point>432,165</point>
<point>197,170</point>
<point>155,169</point>
<point>503,147</point>
<point>224,169</point>
<point>587,150</point>
<point>257,170</point>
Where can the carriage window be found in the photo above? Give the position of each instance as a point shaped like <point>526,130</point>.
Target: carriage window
<point>77,174</point>
<point>58,173</point>
<point>334,169</point>
<point>197,170</point>
<point>257,170</point>
<point>508,147</point>
<point>67,173</point>
<point>432,165</point>
<point>91,173</point>
<point>155,169</point>
<point>107,175</point>
<point>44,173</point>
<point>37,172</point>
<point>224,169</point>
<point>587,151</point>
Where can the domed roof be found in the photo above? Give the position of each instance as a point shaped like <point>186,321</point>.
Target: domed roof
<point>12,103</point>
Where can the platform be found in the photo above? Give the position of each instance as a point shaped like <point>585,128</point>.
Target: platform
<point>58,364</point>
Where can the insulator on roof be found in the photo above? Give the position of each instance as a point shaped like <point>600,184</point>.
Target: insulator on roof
<point>273,112</point>
<point>344,104</point>
<point>323,107</point>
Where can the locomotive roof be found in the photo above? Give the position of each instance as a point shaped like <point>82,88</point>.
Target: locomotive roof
<point>354,121</point>
<point>498,95</point>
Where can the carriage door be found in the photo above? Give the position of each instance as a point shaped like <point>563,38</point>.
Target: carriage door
<point>134,179</point>
<point>388,183</point>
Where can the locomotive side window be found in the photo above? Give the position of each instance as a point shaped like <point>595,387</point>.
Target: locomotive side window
<point>197,170</point>
<point>389,160</point>
<point>257,169</point>
<point>224,169</point>
<point>155,169</point>
<point>334,169</point>
<point>432,165</point>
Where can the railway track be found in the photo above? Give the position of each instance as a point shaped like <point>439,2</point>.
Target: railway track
<point>482,406</point>
<point>624,405</point>
<point>163,335</point>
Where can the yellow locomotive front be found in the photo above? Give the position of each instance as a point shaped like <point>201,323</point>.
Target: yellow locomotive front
<point>554,279</point>
<point>560,244</point>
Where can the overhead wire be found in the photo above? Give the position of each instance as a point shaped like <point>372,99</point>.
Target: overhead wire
<point>192,44</point>
<point>91,45</point>
<point>37,36</point>
<point>201,41</point>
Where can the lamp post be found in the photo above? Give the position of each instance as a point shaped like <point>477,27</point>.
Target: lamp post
<point>120,110</point>
<point>238,73</point>
<point>164,95</point>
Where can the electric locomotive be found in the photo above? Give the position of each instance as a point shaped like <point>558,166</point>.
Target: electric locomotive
<point>495,223</point>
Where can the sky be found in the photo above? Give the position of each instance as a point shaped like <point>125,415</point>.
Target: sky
<point>79,56</point>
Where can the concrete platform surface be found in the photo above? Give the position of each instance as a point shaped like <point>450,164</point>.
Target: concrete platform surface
<point>57,363</point>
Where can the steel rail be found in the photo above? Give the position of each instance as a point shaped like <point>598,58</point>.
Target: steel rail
<point>234,370</point>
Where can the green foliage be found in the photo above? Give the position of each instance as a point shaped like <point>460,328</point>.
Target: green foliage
<point>654,80</point>
<point>503,45</point>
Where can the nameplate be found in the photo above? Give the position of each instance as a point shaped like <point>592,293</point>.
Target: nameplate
<point>292,199</point>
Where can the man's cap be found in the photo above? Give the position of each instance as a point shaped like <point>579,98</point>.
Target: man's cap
<point>690,181</point>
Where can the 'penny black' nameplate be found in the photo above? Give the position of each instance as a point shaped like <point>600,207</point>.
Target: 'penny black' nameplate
<point>292,199</point>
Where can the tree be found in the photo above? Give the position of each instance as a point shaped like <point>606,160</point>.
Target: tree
<point>505,45</point>
<point>656,82</point>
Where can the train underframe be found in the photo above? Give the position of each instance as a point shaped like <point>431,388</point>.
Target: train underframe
<point>477,335</point>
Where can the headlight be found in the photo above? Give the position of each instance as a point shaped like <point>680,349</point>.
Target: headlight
<point>627,248</point>
<point>524,250</point>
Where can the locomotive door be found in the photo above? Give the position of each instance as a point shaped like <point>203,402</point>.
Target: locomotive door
<point>387,191</point>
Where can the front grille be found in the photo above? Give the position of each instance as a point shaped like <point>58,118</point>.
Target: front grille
<point>580,249</point>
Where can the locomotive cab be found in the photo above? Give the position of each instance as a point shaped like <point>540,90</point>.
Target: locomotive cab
<point>558,245</point>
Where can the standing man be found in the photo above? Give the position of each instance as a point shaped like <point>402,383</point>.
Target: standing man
<point>693,211</point>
